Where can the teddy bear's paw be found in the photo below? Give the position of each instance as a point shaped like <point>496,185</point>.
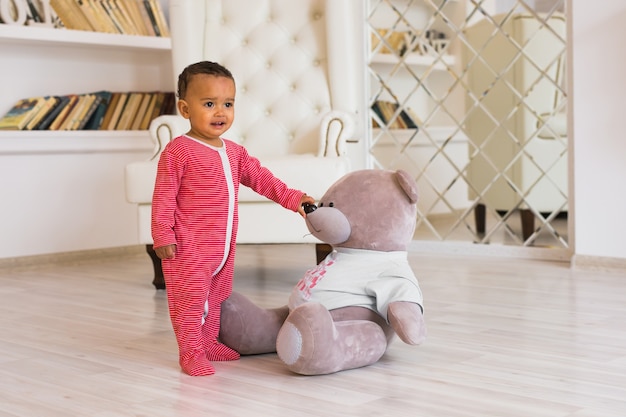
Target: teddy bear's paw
<point>306,337</point>
<point>289,344</point>
<point>407,320</point>
<point>311,343</point>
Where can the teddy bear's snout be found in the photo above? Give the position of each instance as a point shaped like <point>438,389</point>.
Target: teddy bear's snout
<point>328,224</point>
<point>309,208</point>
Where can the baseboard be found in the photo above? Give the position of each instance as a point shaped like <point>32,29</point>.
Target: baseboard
<point>77,257</point>
<point>599,263</point>
<point>506,251</point>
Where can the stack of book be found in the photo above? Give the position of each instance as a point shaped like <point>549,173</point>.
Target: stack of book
<point>385,111</point>
<point>390,42</point>
<point>102,110</point>
<point>128,17</point>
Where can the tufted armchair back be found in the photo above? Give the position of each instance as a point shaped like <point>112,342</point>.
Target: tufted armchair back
<point>298,67</point>
<point>291,64</point>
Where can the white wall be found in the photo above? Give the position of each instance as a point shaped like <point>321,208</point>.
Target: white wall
<point>598,100</point>
<point>65,195</point>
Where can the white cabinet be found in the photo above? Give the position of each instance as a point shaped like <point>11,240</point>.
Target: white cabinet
<point>64,191</point>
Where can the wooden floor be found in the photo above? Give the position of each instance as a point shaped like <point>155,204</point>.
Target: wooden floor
<point>507,338</point>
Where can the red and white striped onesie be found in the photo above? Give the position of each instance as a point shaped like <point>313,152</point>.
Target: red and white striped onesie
<point>194,206</point>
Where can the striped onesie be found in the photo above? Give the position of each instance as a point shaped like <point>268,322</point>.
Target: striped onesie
<point>194,206</point>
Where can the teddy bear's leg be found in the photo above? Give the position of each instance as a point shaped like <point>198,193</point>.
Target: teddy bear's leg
<point>248,328</point>
<point>407,320</point>
<point>311,343</point>
<point>362,313</point>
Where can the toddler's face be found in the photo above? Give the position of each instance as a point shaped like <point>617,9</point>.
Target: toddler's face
<point>210,107</point>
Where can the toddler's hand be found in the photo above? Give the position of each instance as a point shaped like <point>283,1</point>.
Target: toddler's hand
<point>306,199</point>
<point>166,252</point>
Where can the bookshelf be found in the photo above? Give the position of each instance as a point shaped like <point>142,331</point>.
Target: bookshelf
<point>64,190</point>
<point>55,37</point>
<point>414,60</point>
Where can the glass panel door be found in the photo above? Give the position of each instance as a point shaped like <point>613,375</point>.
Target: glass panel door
<point>469,97</point>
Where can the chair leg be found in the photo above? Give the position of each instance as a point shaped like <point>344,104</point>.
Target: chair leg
<point>159,281</point>
<point>480,218</point>
<point>321,251</point>
<point>528,223</point>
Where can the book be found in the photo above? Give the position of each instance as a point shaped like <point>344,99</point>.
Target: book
<point>147,117</point>
<point>65,111</point>
<point>88,112</point>
<point>129,111</point>
<point>70,15</point>
<point>47,121</point>
<point>158,103</point>
<point>379,113</point>
<point>102,16</point>
<point>141,111</point>
<point>95,121</point>
<point>117,111</point>
<point>116,16</point>
<point>90,15</point>
<point>152,17</point>
<point>51,102</point>
<point>385,110</point>
<point>34,13</point>
<point>80,113</point>
<point>124,16</point>
<point>108,10</point>
<point>21,113</point>
<point>393,42</point>
<point>73,112</point>
<point>147,22</point>
<point>416,121</point>
<point>159,17</point>
<point>106,119</point>
<point>132,8</point>
<point>169,103</point>
<point>103,22</point>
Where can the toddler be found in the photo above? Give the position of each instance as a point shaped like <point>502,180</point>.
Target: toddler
<point>194,212</point>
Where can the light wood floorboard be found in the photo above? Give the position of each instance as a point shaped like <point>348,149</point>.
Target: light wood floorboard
<point>507,338</point>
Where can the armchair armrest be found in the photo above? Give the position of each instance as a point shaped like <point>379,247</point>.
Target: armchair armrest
<point>335,129</point>
<point>165,128</point>
<point>140,175</point>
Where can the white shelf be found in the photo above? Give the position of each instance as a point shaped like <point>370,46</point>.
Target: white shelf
<point>417,60</point>
<point>425,136</point>
<point>51,37</point>
<point>19,142</point>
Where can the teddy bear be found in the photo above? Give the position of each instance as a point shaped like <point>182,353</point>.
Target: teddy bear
<point>344,312</point>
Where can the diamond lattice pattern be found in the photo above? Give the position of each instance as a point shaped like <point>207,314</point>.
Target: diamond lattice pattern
<point>472,102</point>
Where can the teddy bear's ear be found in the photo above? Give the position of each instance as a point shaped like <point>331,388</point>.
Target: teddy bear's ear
<point>408,185</point>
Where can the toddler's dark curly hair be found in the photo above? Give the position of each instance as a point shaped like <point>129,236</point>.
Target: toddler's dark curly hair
<point>202,67</point>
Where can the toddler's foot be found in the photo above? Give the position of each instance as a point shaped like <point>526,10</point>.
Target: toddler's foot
<point>220,352</point>
<point>196,363</point>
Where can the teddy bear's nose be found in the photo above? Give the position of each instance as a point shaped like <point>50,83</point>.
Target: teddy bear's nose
<point>309,208</point>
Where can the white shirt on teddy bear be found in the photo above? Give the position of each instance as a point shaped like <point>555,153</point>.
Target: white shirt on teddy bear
<point>358,277</point>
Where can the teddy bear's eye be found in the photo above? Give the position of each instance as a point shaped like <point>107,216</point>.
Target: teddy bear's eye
<point>331,205</point>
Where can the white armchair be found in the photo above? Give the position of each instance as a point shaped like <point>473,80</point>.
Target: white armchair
<point>297,98</point>
<point>518,122</point>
